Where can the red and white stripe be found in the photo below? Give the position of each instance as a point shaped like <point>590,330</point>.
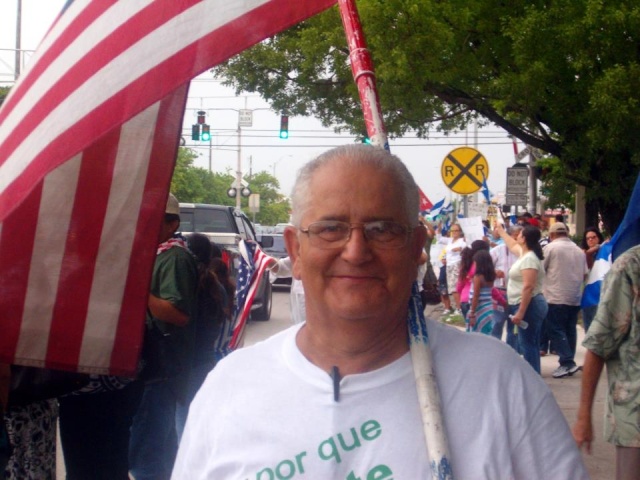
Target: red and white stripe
<point>88,138</point>
<point>260,261</point>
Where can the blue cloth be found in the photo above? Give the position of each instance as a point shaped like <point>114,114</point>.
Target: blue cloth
<point>529,338</point>
<point>153,445</point>
<point>628,233</point>
<point>561,327</point>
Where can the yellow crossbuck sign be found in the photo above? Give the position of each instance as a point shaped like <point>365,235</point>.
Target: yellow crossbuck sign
<point>463,170</point>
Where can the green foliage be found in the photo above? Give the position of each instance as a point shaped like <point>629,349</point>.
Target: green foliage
<point>4,91</point>
<point>561,76</point>
<point>274,207</point>
<point>197,185</point>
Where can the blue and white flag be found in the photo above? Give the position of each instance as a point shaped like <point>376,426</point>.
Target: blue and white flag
<point>627,235</point>
<point>601,265</point>
<point>485,189</point>
<point>436,208</point>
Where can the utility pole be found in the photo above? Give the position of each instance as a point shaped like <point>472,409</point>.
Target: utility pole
<point>18,39</point>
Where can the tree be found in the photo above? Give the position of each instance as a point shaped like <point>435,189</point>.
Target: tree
<point>561,76</point>
<point>198,185</point>
<point>4,91</point>
<point>274,207</point>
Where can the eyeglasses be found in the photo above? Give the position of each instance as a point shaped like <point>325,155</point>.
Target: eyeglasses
<point>591,237</point>
<point>380,234</point>
<point>455,230</point>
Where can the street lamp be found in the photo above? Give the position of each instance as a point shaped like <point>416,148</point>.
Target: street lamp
<point>277,162</point>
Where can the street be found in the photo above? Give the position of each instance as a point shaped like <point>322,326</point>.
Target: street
<point>601,464</point>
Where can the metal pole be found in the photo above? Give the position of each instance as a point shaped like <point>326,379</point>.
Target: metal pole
<point>363,74</point>
<point>239,170</point>
<point>533,183</point>
<point>18,39</point>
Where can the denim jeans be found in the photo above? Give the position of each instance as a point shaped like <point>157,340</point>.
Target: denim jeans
<point>529,338</point>
<point>501,318</point>
<point>153,444</point>
<point>561,322</point>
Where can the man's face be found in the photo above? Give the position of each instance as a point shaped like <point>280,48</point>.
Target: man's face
<point>356,281</point>
<point>168,229</point>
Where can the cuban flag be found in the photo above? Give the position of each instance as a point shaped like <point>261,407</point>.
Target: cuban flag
<point>486,193</point>
<point>436,208</point>
<point>425,203</point>
<point>627,235</point>
<point>88,142</point>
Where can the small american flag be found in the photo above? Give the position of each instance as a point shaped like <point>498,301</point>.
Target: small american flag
<point>253,263</point>
<point>88,141</point>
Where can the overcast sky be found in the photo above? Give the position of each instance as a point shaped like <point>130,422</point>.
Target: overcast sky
<point>261,149</point>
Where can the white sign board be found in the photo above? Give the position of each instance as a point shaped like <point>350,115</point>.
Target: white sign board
<point>472,228</point>
<point>245,118</point>
<point>520,200</point>
<point>477,210</point>
<point>517,181</point>
<point>254,202</point>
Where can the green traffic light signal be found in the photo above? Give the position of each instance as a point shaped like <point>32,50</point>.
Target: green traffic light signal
<point>284,126</point>
<point>206,133</point>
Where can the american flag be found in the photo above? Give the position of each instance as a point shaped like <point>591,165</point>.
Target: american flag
<point>253,263</point>
<point>88,139</point>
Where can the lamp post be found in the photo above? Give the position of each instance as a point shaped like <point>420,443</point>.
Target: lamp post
<point>277,162</point>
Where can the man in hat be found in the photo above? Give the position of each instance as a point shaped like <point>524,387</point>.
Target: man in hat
<point>566,269</point>
<point>167,350</point>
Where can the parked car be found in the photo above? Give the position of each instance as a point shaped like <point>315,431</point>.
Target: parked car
<point>278,250</point>
<point>225,226</point>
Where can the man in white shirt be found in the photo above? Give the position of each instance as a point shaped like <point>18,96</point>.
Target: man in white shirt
<point>336,397</point>
<point>565,265</point>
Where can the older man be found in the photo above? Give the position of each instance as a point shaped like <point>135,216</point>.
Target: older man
<point>335,397</point>
<point>566,269</point>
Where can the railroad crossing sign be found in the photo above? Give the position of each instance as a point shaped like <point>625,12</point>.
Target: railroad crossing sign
<point>463,170</point>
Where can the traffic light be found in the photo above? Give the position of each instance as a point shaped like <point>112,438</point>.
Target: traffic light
<point>195,131</point>
<point>206,133</point>
<point>284,126</point>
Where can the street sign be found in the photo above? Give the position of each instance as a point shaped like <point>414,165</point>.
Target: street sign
<point>520,200</point>
<point>517,181</point>
<point>463,170</point>
<point>245,118</point>
<point>528,151</point>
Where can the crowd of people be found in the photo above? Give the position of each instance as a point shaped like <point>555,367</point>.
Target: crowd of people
<point>526,277</point>
<point>334,395</point>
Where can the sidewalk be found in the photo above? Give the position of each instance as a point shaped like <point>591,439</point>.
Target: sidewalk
<point>601,463</point>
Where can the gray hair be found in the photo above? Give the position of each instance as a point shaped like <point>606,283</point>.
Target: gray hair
<point>356,155</point>
<point>514,229</point>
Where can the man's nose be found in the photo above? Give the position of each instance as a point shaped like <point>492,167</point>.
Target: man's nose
<point>357,248</point>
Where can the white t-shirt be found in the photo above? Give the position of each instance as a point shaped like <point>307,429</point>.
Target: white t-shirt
<point>266,412</point>
<point>516,280</point>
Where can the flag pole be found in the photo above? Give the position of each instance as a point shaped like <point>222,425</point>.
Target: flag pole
<point>426,384</point>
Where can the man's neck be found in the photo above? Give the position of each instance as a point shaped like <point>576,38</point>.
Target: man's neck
<point>352,347</point>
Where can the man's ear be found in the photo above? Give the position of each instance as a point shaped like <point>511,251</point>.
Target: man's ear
<point>418,240</point>
<point>292,242</point>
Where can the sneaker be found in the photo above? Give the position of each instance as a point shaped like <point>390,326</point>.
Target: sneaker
<point>561,371</point>
<point>574,369</point>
